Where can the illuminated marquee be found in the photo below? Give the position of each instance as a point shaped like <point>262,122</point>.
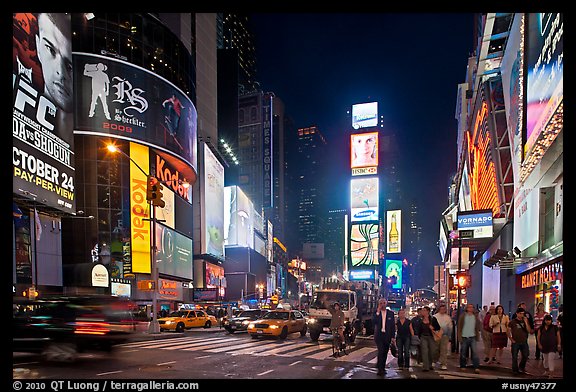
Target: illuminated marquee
<point>545,274</point>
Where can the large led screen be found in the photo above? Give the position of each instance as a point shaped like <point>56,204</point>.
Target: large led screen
<point>365,115</point>
<point>364,150</point>
<point>113,97</point>
<point>238,225</point>
<point>394,269</point>
<point>545,65</point>
<point>213,202</point>
<point>42,116</point>
<point>174,252</point>
<point>394,231</point>
<point>364,199</point>
<point>364,245</point>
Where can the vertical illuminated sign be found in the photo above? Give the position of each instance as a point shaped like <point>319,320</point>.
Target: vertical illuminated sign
<point>364,199</point>
<point>364,245</point>
<point>139,210</point>
<point>365,115</point>
<point>212,196</point>
<point>394,231</point>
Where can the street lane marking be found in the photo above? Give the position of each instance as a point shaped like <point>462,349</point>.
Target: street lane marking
<point>294,363</point>
<point>200,342</point>
<point>204,356</point>
<point>266,372</point>
<point>322,354</point>
<point>106,373</point>
<point>145,343</point>
<point>285,347</point>
<point>165,363</point>
<point>231,348</point>
<point>24,363</point>
<point>130,351</point>
<point>226,344</point>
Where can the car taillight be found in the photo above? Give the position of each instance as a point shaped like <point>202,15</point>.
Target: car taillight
<point>91,328</point>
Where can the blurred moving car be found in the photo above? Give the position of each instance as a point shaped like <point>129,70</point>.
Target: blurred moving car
<point>241,320</point>
<point>279,323</point>
<point>60,327</point>
<point>186,319</point>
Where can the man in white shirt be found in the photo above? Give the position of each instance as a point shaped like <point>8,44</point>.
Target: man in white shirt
<point>445,322</point>
<point>384,333</point>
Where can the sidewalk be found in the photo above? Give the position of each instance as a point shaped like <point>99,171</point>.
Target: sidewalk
<point>534,367</point>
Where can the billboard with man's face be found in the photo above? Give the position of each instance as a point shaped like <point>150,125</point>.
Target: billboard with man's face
<point>42,117</point>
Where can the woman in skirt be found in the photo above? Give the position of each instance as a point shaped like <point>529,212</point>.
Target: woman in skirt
<point>499,324</point>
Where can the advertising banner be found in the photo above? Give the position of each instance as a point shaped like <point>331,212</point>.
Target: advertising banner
<point>364,245</point>
<point>170,289</point>
<point>365,115</point>
<point>363,151</point>
<point>267,148</point>
<point>42,117</point>
<point>201,295</point>
<point>545,65</point>
<point>364,199</point>
<point>116,98</point>
<point>394,231</point>
<point>174,252</point>
<point>214,275</point>
<point>394,270</point>
<point>213,204</point>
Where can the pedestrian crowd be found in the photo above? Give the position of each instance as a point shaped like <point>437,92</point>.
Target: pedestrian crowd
<point>429,338</point>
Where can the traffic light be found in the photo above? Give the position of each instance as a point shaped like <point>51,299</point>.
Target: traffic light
<point>463,280</point>
<point>154,192</point>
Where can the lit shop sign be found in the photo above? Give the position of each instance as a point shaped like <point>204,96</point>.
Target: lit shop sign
<point>479,221</point>
<point>169,289</point>
<point>365,115</point>
<point>548,273</point>
<point>99,276</point>
<point>361,275</point>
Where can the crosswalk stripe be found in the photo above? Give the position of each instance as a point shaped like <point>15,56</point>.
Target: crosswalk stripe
<point>322,354</point>
<point>284,347</point>
<point>226,344</point>
<point>252,350</point>
<point>302,351</point>
<point>170,343</point>
<point>149,342</point>
<point>197,342</point>
<point>356,355</point>
<point>388,359</point>
<point>232,348</point>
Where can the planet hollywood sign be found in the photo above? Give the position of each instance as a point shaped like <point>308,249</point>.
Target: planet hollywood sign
<point>547,273</point>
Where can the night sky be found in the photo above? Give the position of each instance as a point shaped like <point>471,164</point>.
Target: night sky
<point>411,63</point>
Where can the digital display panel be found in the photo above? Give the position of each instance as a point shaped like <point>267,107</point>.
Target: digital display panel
<point>364,199</point>
<point>364,150</point>
<point>364,245</point>
<point>394,273</point>
<point>394,231</point>
<point>365,115</point>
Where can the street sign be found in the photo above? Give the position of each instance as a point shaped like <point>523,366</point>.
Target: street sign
<point>466,234</point>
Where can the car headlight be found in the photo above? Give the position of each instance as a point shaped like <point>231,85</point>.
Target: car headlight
<point>245,322</point>
<point>311,321</point>
<point>226,322</point>
<point>169,322</point>
<point>251,325</point>
<point>274,327</point>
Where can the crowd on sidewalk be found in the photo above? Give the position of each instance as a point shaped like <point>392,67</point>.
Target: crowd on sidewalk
<point>487,336</point>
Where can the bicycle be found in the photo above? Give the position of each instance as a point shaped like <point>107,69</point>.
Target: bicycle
<point>338,346</point>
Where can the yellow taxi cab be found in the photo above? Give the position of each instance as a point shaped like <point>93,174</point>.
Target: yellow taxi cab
<point>278,323</point>
<point>186,319</point>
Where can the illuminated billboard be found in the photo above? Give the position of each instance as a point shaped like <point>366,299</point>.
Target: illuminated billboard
<point>119,99</point>
<point>212,196</point>
<point>394,231</point>
<point>42,116</point>
<point>174,252</point>
<point>139,210</point>
<point>364,150</point>
<point>364,199</point>
<point>365,115</point>
<point>479,221</point>
<point>545,87</point>
<point>394,273</point>
<point>364,245</point>
<point>238,225</point>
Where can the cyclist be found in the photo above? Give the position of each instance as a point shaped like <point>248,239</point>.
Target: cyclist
<point>337,322</point>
